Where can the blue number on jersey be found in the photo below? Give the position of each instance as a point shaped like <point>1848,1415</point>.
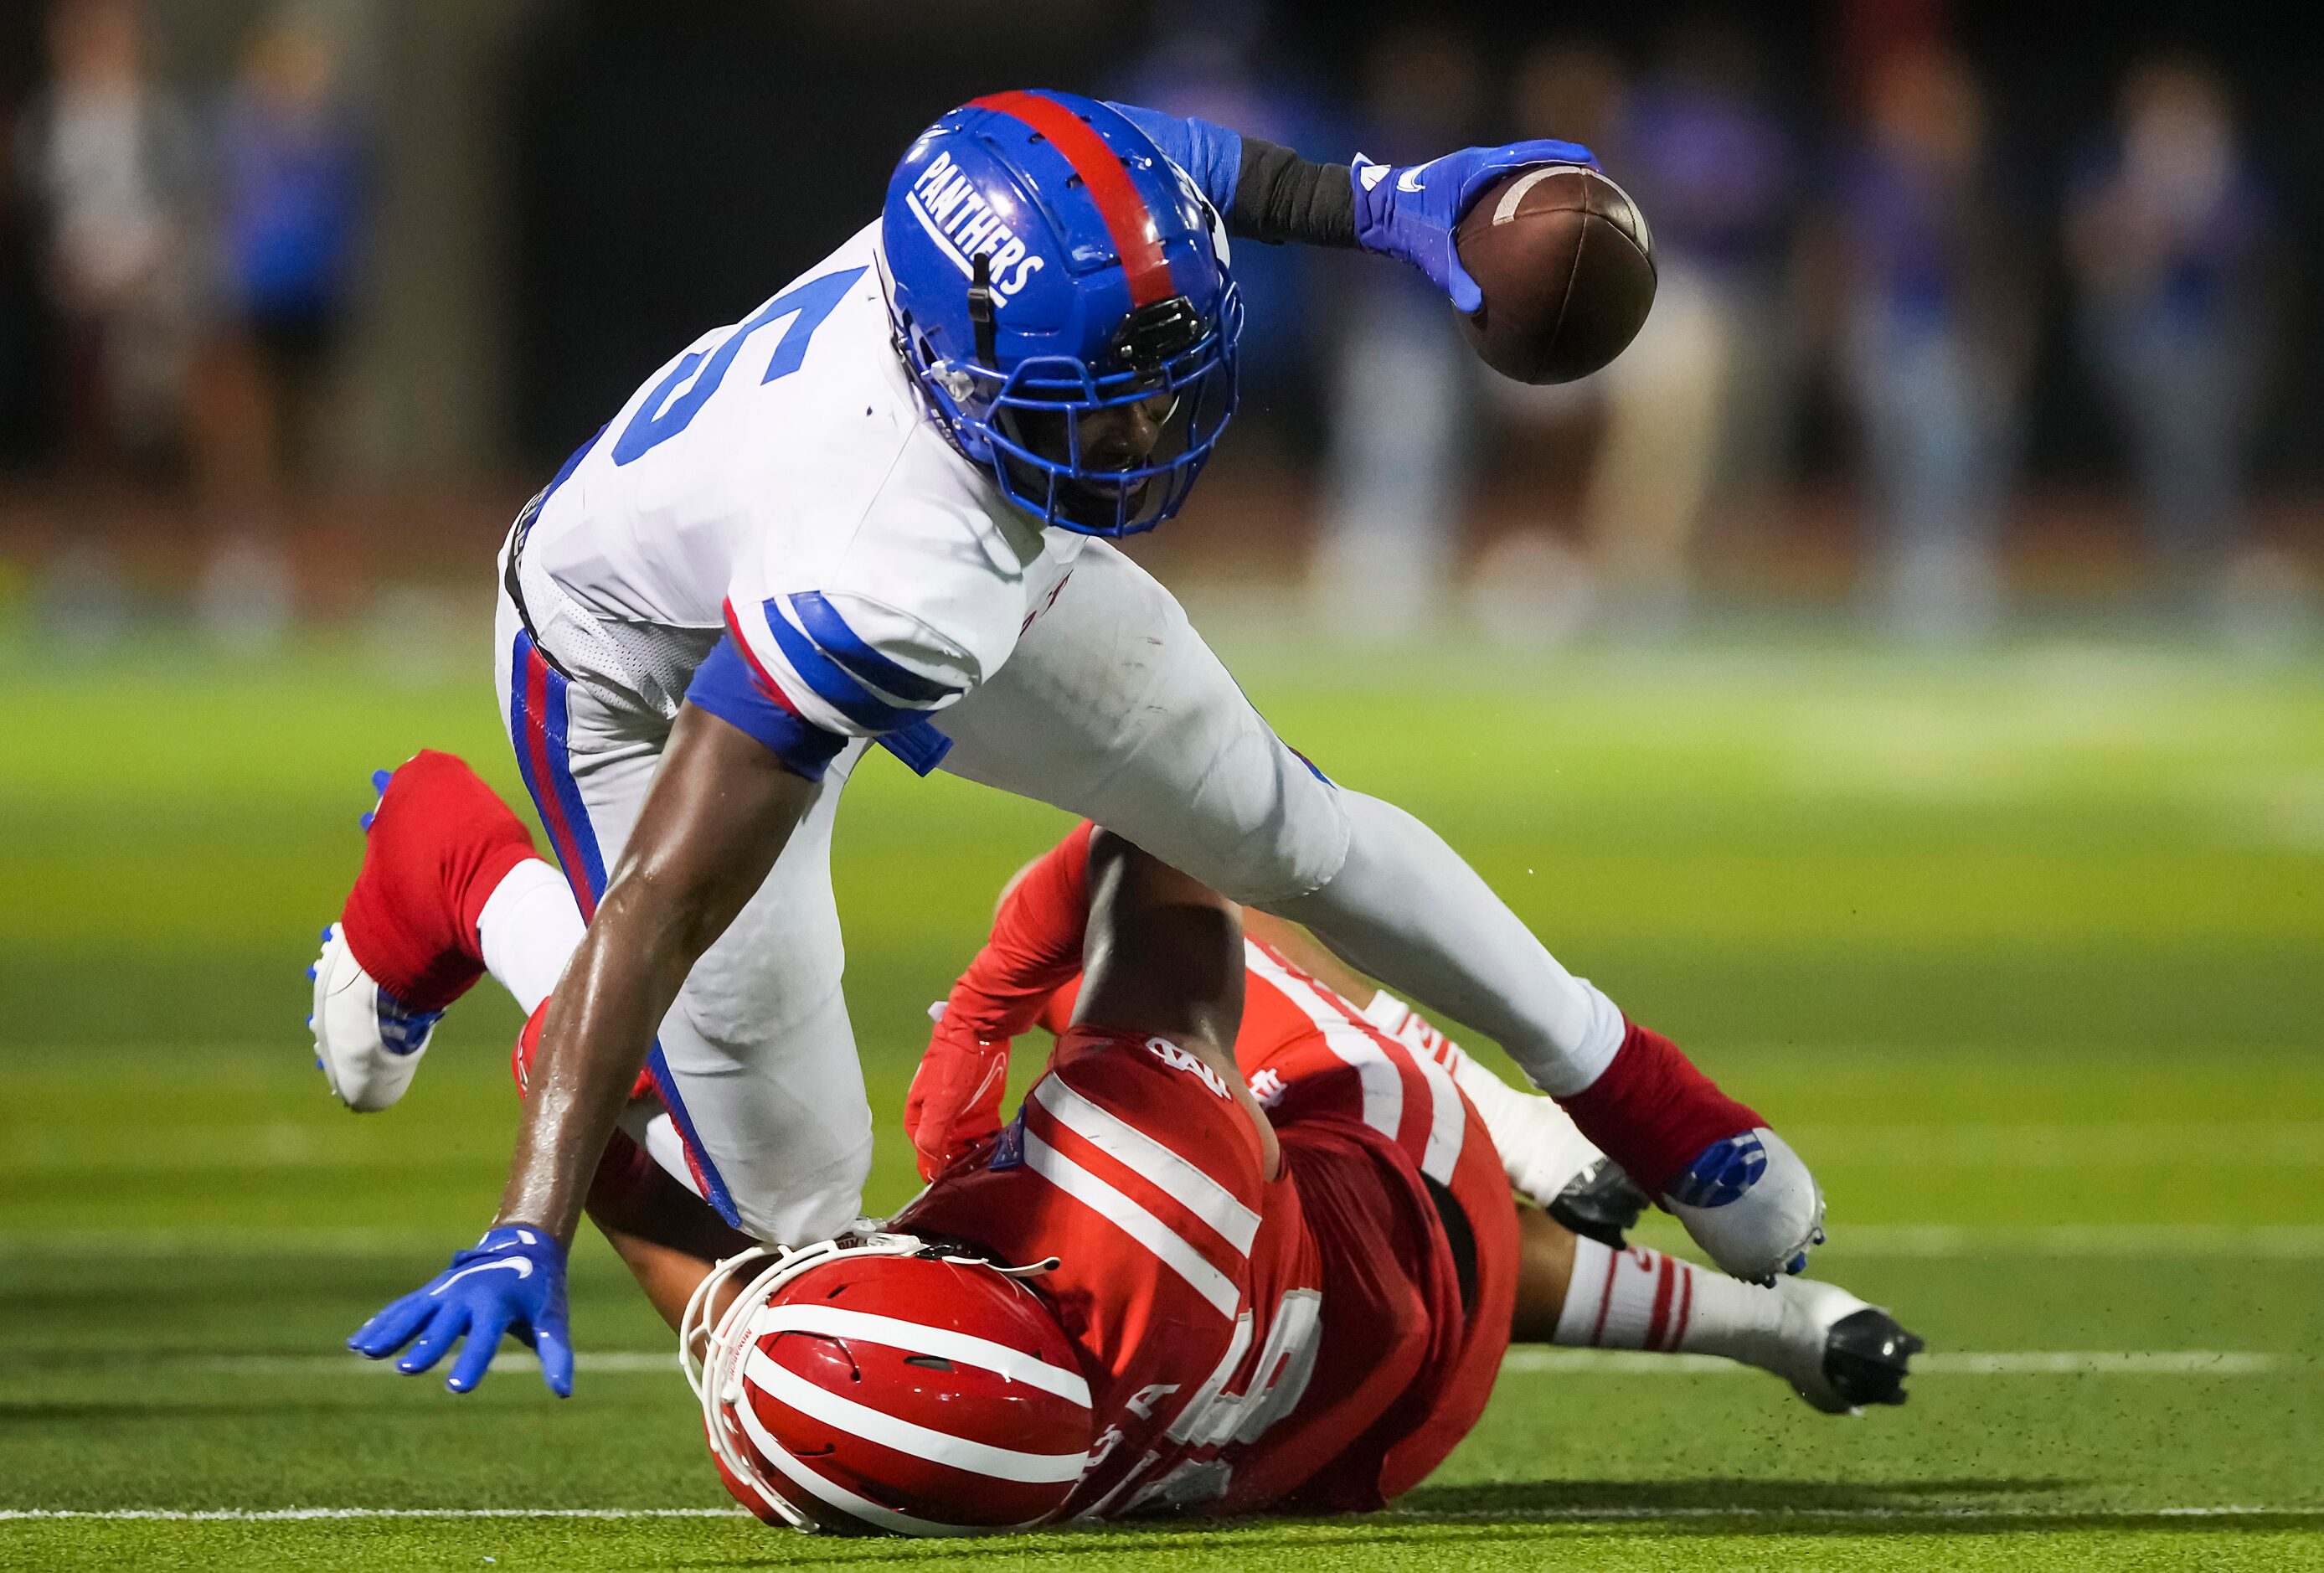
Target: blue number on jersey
<point>806,305</point>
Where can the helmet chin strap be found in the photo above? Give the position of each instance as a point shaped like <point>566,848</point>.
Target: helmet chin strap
<point>980,308</point>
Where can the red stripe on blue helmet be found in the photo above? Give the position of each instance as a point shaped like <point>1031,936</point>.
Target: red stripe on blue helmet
<point>1136,238</point>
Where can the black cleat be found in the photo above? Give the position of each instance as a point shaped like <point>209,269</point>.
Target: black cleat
<point>1836,1352</point>
<point>1866,1357</point>
<point>1601,1203</point>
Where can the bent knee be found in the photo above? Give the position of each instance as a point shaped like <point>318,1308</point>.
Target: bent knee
<point>802,1208</point>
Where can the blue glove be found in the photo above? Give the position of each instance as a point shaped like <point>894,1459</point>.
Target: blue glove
<point>1410,213</point>
<point>512,1281</point>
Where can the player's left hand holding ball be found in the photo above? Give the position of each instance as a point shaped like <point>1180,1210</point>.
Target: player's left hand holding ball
<point>1410,213</point>
<point>511,1281</point>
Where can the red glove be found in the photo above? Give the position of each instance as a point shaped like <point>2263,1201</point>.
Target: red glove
<point>1035,948</point>
<point>955,1098</point>
<point>528,1045</point>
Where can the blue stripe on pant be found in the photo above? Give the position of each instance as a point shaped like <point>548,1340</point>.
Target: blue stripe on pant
<point>537,726</point>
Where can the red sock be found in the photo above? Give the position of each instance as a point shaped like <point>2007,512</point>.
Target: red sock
<point>440,842</point>
<point>1652,1112</point>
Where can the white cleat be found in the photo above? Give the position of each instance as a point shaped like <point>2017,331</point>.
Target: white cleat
<point>366,1045</point>
<point>1839,1352</point>
<point>1751,1205</point>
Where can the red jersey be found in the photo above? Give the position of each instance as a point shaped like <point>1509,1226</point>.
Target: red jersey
<point>1190,1282</point>
<point>1416,1227</point>
<point>1321,1341</point>
<point>1378,1335</point>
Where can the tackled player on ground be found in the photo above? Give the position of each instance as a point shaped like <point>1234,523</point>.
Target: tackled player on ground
<point>1246,1246</point>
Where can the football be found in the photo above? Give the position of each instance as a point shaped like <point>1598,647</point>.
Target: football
<point>1567,269</point>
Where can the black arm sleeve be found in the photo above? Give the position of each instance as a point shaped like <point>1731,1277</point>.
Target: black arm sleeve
<point>1280,195</point>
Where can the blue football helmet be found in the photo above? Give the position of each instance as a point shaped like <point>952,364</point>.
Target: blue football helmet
<point>1062,296</point>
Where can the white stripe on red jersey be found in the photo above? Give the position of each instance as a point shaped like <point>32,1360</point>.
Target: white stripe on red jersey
<point>1182,1430</point>
<point>1405,1095</point>
<point>1133,1220</point>
<point>1119,1139</point>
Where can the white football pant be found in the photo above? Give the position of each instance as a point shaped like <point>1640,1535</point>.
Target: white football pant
<point>1112,707</point>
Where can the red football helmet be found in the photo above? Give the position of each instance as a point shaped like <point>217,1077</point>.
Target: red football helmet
<point>882,1383</point>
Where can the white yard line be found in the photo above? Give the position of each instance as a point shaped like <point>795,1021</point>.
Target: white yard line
<point>1535,1360</point>
<point>2278,1242</point>
<point>2102,1363</point>
<point>2295,1242</point>
<point>2140,1145</point>
<point>606,1362</point>
<point>1541,1514</point>
<point>1527,1360</point>
<point>2032,1145</point>
<point>234,1244</point>
<point>300,1514</point>
<point>1866,1514</point>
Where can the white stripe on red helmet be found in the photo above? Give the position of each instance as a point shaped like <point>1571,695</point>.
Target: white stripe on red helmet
<point>945,1400</point>
<point>921,1339</point>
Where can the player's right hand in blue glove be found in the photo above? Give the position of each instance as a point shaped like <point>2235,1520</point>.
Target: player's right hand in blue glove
<point>511,1281</point>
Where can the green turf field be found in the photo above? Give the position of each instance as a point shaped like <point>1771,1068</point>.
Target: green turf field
<point>2026,952</point>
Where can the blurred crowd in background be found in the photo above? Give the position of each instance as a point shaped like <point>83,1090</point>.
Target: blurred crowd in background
<point>193,260</point>
<point>287,288</point>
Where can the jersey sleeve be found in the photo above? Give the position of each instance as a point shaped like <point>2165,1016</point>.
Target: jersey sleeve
<point>1211,155</point>
<point>1262,191</point>
<point>1035,946</point>
<point>734,688</point>
<point>873,640</point>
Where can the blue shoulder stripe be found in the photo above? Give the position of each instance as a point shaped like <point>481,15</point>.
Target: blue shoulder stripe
<point>725,685</point>
<point>829,629</point>
<point>831,683</point>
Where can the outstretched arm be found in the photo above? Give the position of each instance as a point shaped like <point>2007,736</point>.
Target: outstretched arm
<point>1163,954</point>
<point>1035,948</point>
<point>1157,951</point>
<point>720,812</point>
<point>1267,192</point>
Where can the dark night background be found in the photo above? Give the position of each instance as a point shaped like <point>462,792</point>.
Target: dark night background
<point>675,164</point>
<point>668,166</point>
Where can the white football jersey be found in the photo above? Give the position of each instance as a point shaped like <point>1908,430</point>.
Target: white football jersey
<point>779,479</point>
